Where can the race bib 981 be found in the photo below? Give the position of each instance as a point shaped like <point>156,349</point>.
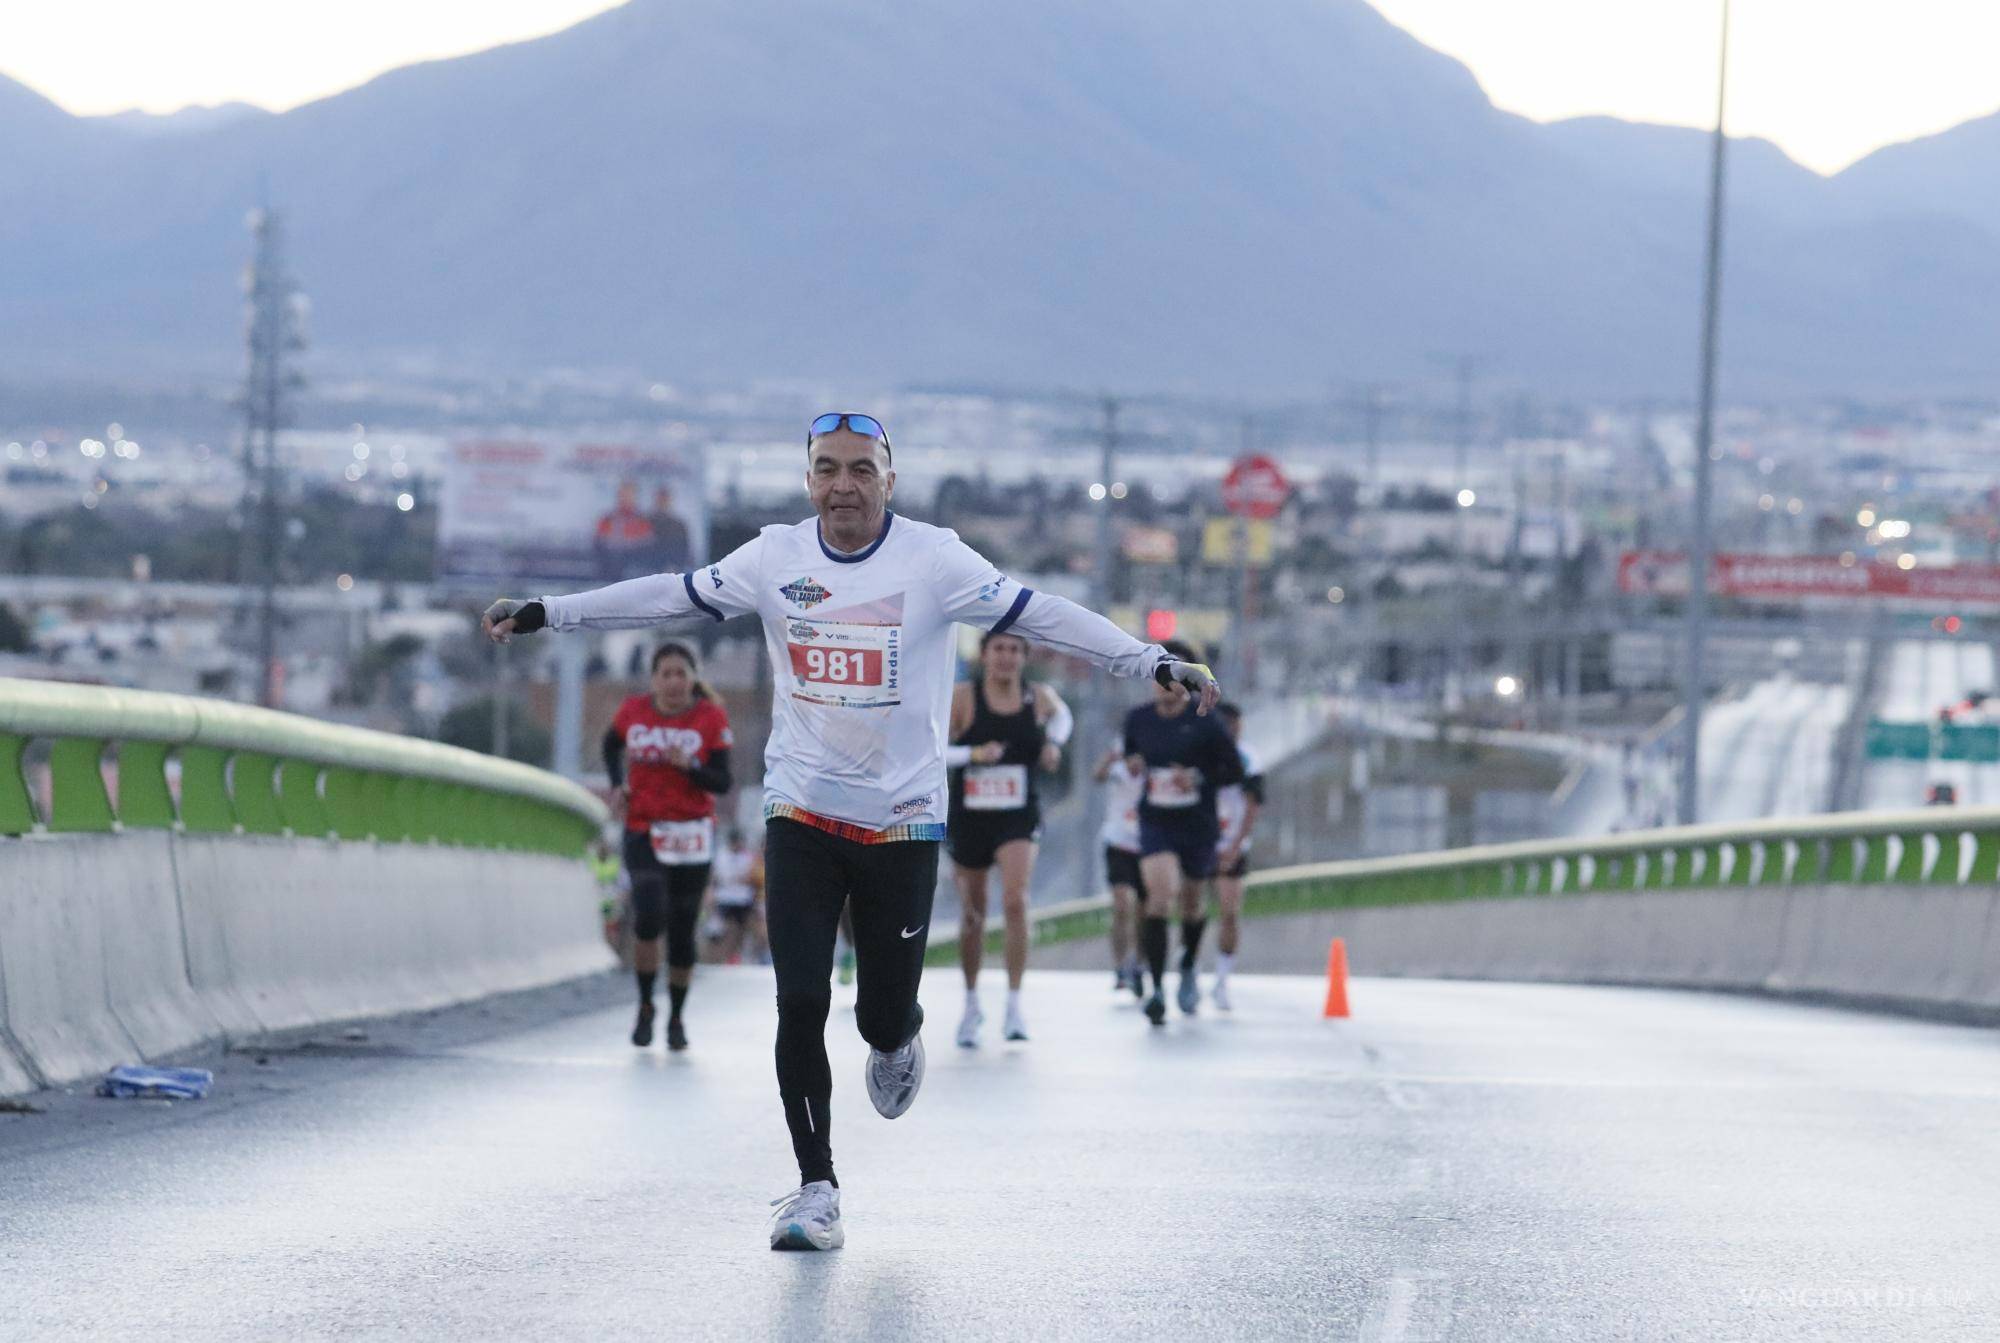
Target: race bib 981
<point>837,666</point>
<point>852,664</point>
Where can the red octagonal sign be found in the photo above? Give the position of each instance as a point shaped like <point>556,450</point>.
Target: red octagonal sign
<point>1255,488</point>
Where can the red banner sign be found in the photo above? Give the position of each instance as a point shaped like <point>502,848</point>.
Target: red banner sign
<point>1792,578</point>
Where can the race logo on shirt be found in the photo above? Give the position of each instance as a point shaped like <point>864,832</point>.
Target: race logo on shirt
<point>802,631</point>
<point>804,592</point>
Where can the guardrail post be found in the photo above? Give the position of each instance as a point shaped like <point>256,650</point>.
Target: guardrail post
<point>1910,868</point>
<point>346,802</point>
<point>17,809</point>
<point>253,781</point>
<point>205,805</point>
<point>77,799</point>
<point>1875,859</point>
<point>1775,853</point>
<point>1985,858</point>
<point>298,798</point>
<point>1951,850</point>
<point>144,800</point>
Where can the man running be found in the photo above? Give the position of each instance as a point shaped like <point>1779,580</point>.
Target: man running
<point>1237,806</point>
<point>673,743</point>
<point>1003,731</point>
<point>1185,759</point>
<point>1120,836</point>
<point>857,605</point>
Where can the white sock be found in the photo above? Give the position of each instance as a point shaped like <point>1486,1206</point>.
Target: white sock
<point>972,1000</point>
<point>1014,1001</point>
<point>1224,962</point>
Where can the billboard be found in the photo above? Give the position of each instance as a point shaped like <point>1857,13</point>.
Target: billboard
<point>569,514</point>
<point>1794,578</point>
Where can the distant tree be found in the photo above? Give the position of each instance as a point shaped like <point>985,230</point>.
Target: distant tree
<point>471,725</point>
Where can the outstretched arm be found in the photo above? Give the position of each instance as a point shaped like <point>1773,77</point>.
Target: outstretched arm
<point>976,593</point>
<point>725,588</point>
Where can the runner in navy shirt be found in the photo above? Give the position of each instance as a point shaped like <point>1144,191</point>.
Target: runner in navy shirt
<point>1185,759</point>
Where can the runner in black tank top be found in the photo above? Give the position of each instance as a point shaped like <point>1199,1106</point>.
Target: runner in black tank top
<point>1003,731</point>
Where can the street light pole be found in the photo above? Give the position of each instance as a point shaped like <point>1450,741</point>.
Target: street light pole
<point>1695,689</point>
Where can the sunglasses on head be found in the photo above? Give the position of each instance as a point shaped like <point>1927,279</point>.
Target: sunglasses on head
<point>865,425</point>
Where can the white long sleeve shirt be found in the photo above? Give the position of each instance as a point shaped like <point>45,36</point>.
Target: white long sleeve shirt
<point>862,658</point>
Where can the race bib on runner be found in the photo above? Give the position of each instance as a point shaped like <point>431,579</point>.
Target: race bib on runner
<point>1174,786</point>
<point>851,665</point>
<point>684,843</point>
<point>996,787</point>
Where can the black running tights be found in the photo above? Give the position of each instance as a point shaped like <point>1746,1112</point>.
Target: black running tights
<point>808,876</point>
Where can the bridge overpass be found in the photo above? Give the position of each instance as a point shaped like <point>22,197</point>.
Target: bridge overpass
<point>1488,1149</point>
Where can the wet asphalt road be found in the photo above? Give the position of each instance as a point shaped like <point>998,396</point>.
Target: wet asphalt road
<point>1461,1161</point>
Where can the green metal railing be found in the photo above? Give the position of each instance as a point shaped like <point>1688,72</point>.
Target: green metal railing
<point>1937,846</point>
<point>245,770</point>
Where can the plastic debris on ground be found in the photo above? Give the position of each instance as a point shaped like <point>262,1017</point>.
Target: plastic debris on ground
<point>133,1082</point>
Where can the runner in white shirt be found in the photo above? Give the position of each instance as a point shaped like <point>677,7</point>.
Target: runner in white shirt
<point>1237,806</point>
<point>857,606</point>
<point>736,891</point>
<point>1120,836</point>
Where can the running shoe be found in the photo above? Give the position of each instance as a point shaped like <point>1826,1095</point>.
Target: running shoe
<point>968,1026</point>
<point>642,1029</point>
<point>1190,995</point>
<point>677,1036</point>
<point>1219,995</point>
<point>808,1218</point>
<point>893,1078</point>
<point>1120,980</point>
<point>1156,1008</point>
<point>1016,1029</point>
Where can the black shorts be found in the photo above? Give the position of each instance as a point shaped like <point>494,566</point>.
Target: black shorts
<point>736,914</point>
<point>664,899</point>
<point>1237,870</point>
<point>974,837</point>
<point>1121,867</point>
<point>1196,849</point>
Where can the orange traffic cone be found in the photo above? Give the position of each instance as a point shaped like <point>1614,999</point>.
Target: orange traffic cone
<point>1336,978</point>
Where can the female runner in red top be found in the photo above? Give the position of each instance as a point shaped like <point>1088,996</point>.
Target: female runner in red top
<point>667,753</point>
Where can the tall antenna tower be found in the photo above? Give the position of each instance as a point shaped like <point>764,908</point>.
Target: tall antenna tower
<point>274,331</point>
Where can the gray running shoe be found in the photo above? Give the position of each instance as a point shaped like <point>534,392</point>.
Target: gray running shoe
<point>893,1079</point>
<point>1190,995</point>
<point>808,1218</point>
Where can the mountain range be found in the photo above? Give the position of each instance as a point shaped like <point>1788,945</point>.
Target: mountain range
<point>1153,194</point>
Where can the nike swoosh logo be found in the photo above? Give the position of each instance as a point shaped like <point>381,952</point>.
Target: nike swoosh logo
<point>912,932</point>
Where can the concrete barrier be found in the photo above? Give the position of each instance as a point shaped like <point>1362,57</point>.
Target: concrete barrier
<point>363,929</point>
<point>52,946</point>
<point>1925,948</point>
<point>121,948</point>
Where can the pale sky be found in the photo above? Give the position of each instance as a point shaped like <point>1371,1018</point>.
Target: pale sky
<point>1828,80</point>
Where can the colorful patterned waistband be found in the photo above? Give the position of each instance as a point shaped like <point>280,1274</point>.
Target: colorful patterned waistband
<point>858,834</point>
